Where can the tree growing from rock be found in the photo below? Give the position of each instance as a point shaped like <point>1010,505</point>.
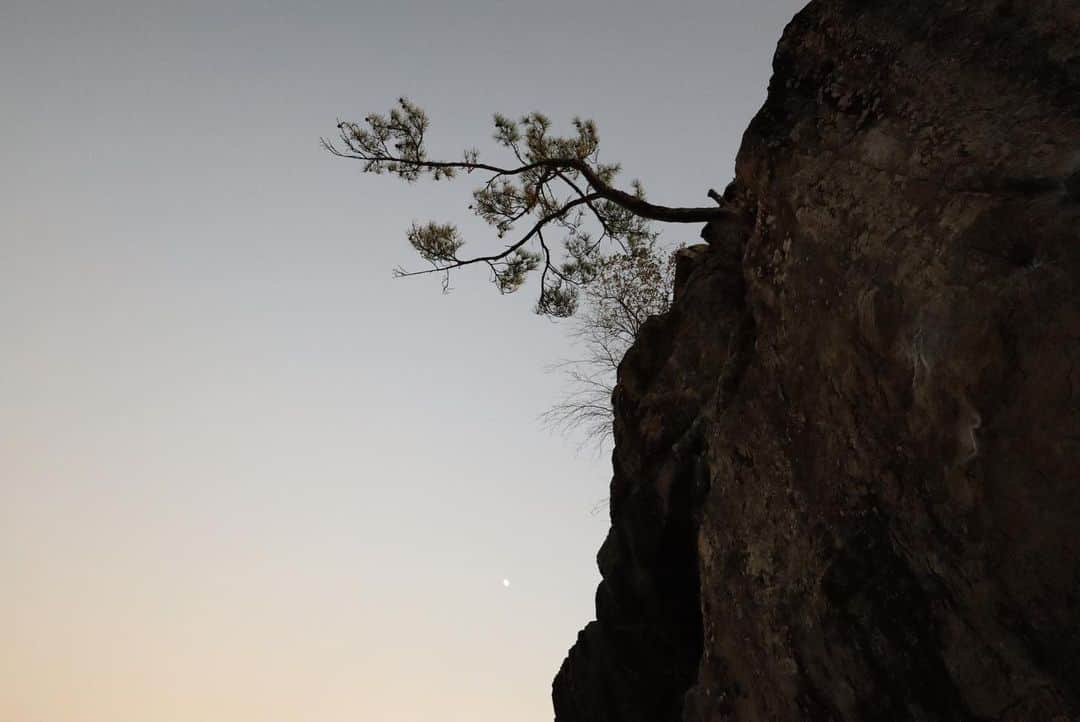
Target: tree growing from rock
<point>553,204</point>
<point>555,209</point>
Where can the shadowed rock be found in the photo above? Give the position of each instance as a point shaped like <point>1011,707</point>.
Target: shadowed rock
<point>846,478</point>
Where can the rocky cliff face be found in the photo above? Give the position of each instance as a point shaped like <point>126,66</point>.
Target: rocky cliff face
<point>847,472</point>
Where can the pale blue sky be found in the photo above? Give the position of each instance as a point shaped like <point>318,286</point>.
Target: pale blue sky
<point>245,476</point>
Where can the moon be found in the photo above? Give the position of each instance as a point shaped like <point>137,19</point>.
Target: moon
<point>506,583</point>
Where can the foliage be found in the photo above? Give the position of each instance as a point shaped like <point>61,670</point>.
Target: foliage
<point>558,183</point>
<point>594,244</point>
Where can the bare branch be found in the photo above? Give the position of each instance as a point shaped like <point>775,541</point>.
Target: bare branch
<point>624,293</point>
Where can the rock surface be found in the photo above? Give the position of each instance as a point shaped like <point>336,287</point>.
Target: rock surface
<point>847,467</point>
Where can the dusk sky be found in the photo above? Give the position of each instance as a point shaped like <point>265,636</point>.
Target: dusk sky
<point>245,474</point>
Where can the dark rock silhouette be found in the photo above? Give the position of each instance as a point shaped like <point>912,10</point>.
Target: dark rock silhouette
<point>847,467</point>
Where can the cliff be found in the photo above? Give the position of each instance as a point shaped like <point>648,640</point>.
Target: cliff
<point>846,478</point>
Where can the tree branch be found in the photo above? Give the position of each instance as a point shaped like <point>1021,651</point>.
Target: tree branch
<point>458,263</point>
<point>637,206</point>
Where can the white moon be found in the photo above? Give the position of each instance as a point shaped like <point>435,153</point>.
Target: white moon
<point>506,583</point>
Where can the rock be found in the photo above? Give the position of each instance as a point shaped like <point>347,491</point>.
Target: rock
<point>845,476</point>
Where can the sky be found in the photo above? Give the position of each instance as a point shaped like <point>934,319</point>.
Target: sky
<point>245,474</point>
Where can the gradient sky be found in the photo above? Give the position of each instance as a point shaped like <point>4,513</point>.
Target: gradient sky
<point>245,476</point>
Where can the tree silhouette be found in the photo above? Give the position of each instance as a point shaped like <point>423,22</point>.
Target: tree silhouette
<point>556,184</point>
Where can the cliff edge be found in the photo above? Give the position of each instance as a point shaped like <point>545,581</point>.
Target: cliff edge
<point>847,466</point>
